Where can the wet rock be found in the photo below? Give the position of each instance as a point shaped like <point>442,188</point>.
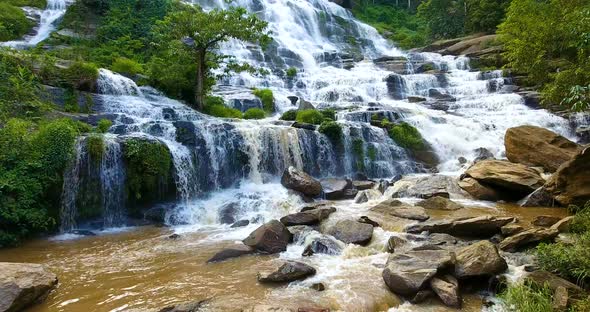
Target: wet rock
<point>462,160</point>
<point>383,186</point>
<point>479,259</point>
<point>406,274</point>
<point>228,212</point>
<point>527,238</point>
<point>174,236</point>
<point>318,286</point>
<point>496,239</point>
<point>570,184</point>
<point>293,99</point>
<point>271,237</point>
<point>539,198</point>
<point>438,95</point>
<point>535,146</point>
<point>186,306</point>
<point>509,179</point>
<point>440,203</point>
<point>285,272</point>
<point>23,284</point>
<point>302,125</point>
<point>308,217</point>
<point>421,296</point>
<point>446,288</point>
<point>352,232</point>
<point>232,252</point>
<point>83,232</point>
<point>511,229</point>
<point>240,223</point>
<point>563,225</point>
<point>300,181</point>
<point>482,153</point>
<point>553,281</point>
<point>560,299</point>
<point>397,64</point>
<point>269,308</point>
<point>416,99</point>
<point>477,190</point>
<point>156,214</point>
<point>323,245</point>
<point>398,209</point>
<point>367,220</point>
<point>545,221</point>
<point>304,105</point>
<point>315,205</point>
<point>482,226</point>
<point>363,185</point>
<point>299,231</point>
<point>335,189</point>
<point>426,187</point>
<point>396,86</point>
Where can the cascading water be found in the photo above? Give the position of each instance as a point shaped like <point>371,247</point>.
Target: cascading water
<point>112,181</point>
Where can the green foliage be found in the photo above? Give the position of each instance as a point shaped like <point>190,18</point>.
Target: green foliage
<point>358,151</point>
<point>126,66</point>
<point>81,76</point>
<point>267,98</point>
<point>329,114</point>
<point>484,15</point>
<point>254,113</point>
<point>148,168</point>
<point>310,116</point>
<point>527,298</point>
<point>372,153</point>
<point>41,4</point>
<point>289,115</point>
<point>173,71</point>
<point>405,135</point>
<point>104,125</point>
<point>13,22</point>
<point>578,98</point>
<point>332,130</point>
<point>95,147</point>
<point>445,18</point>
<point>214,106</point>
<point>291,72</point>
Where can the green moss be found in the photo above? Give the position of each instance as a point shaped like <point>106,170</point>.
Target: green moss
<point>13,22</point>
<point>359,152</point>
<point>126,66</point>
<point>372,153</point>
<point>291,72</point>
<point>215,106</point>
<point>289,115</point>
<point>332,130</point>
<point>95,147</point>
<point>406,136</point>
<point>310,116</point>
<point>71,101</point>
<point>104,125</point>
<point>81,76</point>
<point>148,167</point>
<point>254,113</point>
<point>267,98</point>
<point>329,114</point>
<point>83,127</point>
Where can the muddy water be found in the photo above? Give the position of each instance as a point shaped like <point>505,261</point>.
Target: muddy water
<point>142,269</point>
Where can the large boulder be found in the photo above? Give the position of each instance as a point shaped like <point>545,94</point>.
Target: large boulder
<point>553,282</point>
<point>446,288</point>
<point>323,245</point>
<point>539,198</point>
<point>426,186</point>
<point>535,146</point>
<point>301,182</point>
<point>563,225</point>
<point>398,209</point>
<point>338,189</point>
<point>439,203</point>
<point>510,179</point>
<point>528,238</point>
<point>479,259</point>
<point>271,237</point>
<point>232,252</point>
<point>477,190</point>
<point>308,217</point>
<point>405,274</point>
<point>286,271</point>
<point>366,195</point>
<point>482,226</point>
<point>23,284</point>
<point>570,184</point>
<point>352,232</point>
<point>545,220</point>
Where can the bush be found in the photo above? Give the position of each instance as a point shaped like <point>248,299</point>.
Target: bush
<point>148,167</point>
<point>214,106</point>
<point>527,298</point>
<point>406,136</point>
<point>13,22</point>
<point>329,114</point>
<point>289,115</point>
<point>104,125</point>
<point>82,76</point>
<point>332,130</point>
<point>267,98</point>
<point>126,66</point>
<point>254,113</point>
<point>310,116</point>
<point>41,4</point>
<point>291,72</point>
<point>95,147</point>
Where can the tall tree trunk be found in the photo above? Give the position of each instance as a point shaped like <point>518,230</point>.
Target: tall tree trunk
<point>201,77</point>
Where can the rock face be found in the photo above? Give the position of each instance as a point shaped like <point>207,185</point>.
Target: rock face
<point>440,203</point>
<point>512,180</point>
<point>308,217</point>
<point>398,209</point>
<point>426,187</point>
<point>287,271</point>
<point>478,190</point>
<point>535,146</point>
<point>447,289</point>
<point>301,182</point>
<point>405,274</point>
<point>482,226</point>
<point>352,232</point>
<point>271,237</point>
<point>232,252</point>
<point>527,238</point>
<point>479,259</point>
<point>570,184</point>
<point>23,284</point>
<point>338,189</point>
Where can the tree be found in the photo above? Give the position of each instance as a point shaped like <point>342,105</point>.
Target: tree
<point>445,18</point>
<point>202,32</point>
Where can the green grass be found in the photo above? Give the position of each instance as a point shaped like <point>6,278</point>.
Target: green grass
<point>41,4</point>
<point>527,298</point>
<point>254,113</point>
<point>310,116</point>
<point>104,125</point>
<point>126,66</point>
<point>267,98</point>
<point>13,22</point>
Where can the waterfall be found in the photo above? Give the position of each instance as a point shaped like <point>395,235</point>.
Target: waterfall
<point>112,180</point>
<point>115,84</point>
<point>71,184</point>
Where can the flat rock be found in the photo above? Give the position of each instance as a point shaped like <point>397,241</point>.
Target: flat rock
<point>528,238</point>
<point>482,226</point>
<point>232,252</point>
<point>440,203</point>
<point>308,217</point>
<point>446,288</point>
<point>300,181</point>
<point>511,229</point>
<point>194,306</point>
<point>545,221</point>
<point>426,186</point>
<point>477,190</point>
<point>570,184</point>
<point>352,232</point>
<point>563,225</point>
<point>335,189</point>
<point>271,237</point>
<point>398,209</point>
<point>23,284</point>
<point>479,259</point>
<point>363,185</point>
<point>286,271</point>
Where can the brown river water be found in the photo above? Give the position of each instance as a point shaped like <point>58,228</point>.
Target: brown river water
<point>140,269</point>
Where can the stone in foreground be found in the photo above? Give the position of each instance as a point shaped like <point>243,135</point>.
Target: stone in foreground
<point>301,182</point>
<point>232,252</point>
<point>286,271</point>
<point>352,232</point>
<point>570,184</point>
<point>528,238</point>
<point>308,217</point>
<point>447,289</point>
<point>398,209</point>
<point>23,284</point>
<point>482,226</point>
<point>271,237</point>
<point>477,190</point>
<point>440,203</point>
<point>545,221</point>
<point>479,259</point>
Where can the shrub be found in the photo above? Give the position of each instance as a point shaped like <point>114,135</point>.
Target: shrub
<point>126,66</point>
<point>41,4</point>
<point>254,113</point>
<point>329,114</point>
<point>372,153</point>
<point>527,298</point>
<point>81,76</point>
<point>289,115</point>
<point>267,98</point>
<point>310,116</point>
<point>148,167</point>
<point>95,147</point>
<point>104,125</point>
<point>332,130</point>
<point>406,136</point>
<point>13,22</point>
<point>291,72</point>
<point>214,106</point>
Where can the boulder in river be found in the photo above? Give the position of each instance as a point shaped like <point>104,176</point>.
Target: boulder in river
<point>352,232</point>
<point>477,190</point>
<point>528,238</point>
<point>193,306</point>
<point>231,252</point>
<point>539,198</point>
<point>446,288</point>
<point>426,186</point>
<point>535,146</point>
<point>511,229</point>
<point>479,259</point>
<point>363,185</point>
<point>545,221</point>
<point>366,195</point>
<point>308,217</point>
<point>335,189</point>
<point>509,179</point>
<point>440,203</point>
<point>286,271</point>
<point>570,184</point>
<point>398,209</point>
<point>323,245</point>
<point>271,237</point>
<point>482,226</point>
<point>300,181</point>
<point>23,284</point>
